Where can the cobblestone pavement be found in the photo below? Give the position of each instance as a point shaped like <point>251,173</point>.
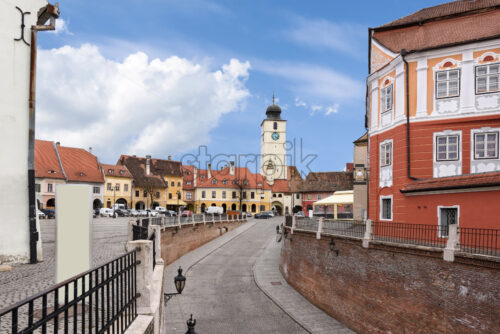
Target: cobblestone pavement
<point>26,280</point>
<point>220,289</point>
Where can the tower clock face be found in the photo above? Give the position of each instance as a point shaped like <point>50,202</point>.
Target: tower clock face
<point>275,136</point>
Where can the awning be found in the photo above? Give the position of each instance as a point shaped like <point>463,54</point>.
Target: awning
<point>339,197</point>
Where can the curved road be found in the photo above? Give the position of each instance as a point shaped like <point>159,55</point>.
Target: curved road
<point>221,292</point>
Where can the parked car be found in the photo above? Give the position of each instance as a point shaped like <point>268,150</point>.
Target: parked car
<point>122,213</point>
<point>106,212</point>
<point>263,215</point>
<point>142,213</point>
<point>248,214</point>
<point>216,210</point>
<point>300,214</point>
<point>186,213</point>
<point>134,213</point>
<point>170,213</point>
<point>40,214</point>
<point>152,213</point>
<point>49,213</point>
<point>271,213</point>
<point>161,209</point>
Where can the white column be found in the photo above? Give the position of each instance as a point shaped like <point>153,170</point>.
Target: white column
<point>368,233</point>
<point>144,271</point>
<point>467,86</point>
<point>374,104</point>
<point>320,228</point>
<point>453,243</point>
<point>400,91</point>
<point>294,223</point>
<point>422,87</point>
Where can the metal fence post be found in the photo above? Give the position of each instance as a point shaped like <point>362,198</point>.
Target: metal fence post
<point>192,219</point>
<point>294,224</point>
<point>144,271</point>
<point>320,228</point>
<point>368,233</point>
<point>453,243</point>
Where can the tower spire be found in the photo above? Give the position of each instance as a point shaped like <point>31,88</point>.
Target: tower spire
<point>273,97</point>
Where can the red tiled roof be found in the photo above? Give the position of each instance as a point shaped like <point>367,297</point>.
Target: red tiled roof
<point>188,176</point>
<point>158,168</point>
<point>254,181</point>
<point>80,165</point>
<point>454,182</point>
<point>442,26</point>
<point>46,161</point>
<point>327,181</point>
<point>116,170</point>
<point>281,186</point>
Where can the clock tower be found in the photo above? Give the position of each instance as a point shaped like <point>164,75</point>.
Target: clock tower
<point>273,145</point>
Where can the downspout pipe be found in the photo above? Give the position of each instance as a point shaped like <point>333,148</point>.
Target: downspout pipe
<point>49,12</point>
<point>408,139</point>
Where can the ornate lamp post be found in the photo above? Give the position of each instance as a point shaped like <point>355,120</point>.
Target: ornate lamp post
<point>191,323</point>
<point>180,282</point>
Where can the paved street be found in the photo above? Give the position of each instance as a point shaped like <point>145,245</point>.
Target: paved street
<point>25,280</point>
<point>221,291</point>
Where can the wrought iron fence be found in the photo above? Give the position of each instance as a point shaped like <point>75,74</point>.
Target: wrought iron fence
<point>480,241</point>
<point>99,300</point>
<point>156,220</point>
<point>412,234</point>
<point>139,232</point>
<point>346,227</point>
<point>198,217</point>
<point>288,221</point>
<point>186,220</point>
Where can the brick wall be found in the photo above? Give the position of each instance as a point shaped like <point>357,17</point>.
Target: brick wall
<point>387,289</point>
<point>177,242</point>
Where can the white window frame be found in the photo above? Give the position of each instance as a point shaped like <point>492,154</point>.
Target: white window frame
<point>439,207</point>
<point>488,76</point>
<point>382,208</point>
<point>447,136</point>
<point>383,154</point>
<point>189,195</point>
<point>485,133</point>
<point>203,194</point>
<point>223,194</point>
<point>214,194</point>
<point>386,97</point>
<point>447,81</point>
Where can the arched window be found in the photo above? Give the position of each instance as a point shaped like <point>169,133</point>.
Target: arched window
<point>275,126</point>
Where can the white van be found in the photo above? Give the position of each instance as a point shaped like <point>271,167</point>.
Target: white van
<point>160,209</point>
<point>106,212</point>
<point>216,210</point>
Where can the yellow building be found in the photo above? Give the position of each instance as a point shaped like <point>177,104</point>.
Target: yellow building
<point>117,185</point>
<point>232,188</point>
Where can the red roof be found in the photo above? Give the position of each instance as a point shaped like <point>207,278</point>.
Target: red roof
<point>454,182</point>
<point>223,179</point>
<point>281,186</point>
<point>80,165</point>
<point>442,26</point>
<point>46,161</point>
<point>116,170</point>
<point>188,176</point>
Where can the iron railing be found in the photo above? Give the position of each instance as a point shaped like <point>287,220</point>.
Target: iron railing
<point>153,239</point>
<point>480,241</point>
<point>288,221</point>
<point>99,300</point>
<point>346,227</point>
<point>139,232</point>
<point>308,224</point>
<point>412,234</point>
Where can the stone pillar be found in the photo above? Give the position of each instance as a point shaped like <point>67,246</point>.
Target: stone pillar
<point>204,220</point>
<point>467,83</point>
<point>335,211</point>
<point>294,224</point>
<point>368,233</point>
<point>157,231</point>
<point>213,219</point>
<point>453,243</point>
<point>192,219</point>
<point>179,220</point>
<point>320,228</point>
<point>130,230</point>
<point>144,272</point>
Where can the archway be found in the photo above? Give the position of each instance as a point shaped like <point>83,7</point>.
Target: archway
<point>51,203</point>
<point>297,208</point>
<point>233,207</point>
<point>108,204</point>
<point>309,207</point>
<point>140,205</point>
<point>278,208</point>
<point>155,204</point>
<point>203,207</point>
<point>213,204</point>
<point>97,204</point>
<point>224,207</point>
<point>254,207</point>
<point>244,208</point>
<point>122,201</point>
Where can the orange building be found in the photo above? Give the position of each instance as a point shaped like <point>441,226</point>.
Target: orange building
<point>433,114</point>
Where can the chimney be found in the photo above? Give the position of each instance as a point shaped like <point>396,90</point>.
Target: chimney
<point>209,172</point>
<point>231,167</point>
<point>195,172</point>
<point>148,164</point>
<point>169,157</point>
<point>90,149</point>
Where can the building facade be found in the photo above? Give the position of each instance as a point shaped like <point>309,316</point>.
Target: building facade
<point>48,173</point>
<point>273,145</point>
<point>360,183</point>
<point>433,114</point>
<point>117,185</point>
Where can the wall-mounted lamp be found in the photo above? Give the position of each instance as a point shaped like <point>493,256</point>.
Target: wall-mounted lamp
<point>332,246</point>
<point>180,282</point>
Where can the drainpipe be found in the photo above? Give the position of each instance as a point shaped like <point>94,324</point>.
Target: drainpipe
<point>408,161</point>
<point>49,12</point>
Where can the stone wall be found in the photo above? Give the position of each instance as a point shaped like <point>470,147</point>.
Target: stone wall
<point>388,289</point>
<point>175,241</point>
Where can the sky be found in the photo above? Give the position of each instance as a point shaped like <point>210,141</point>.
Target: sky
<point>176,77</point>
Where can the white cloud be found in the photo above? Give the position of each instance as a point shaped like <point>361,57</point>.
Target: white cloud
<point>137,106</point>
<point>61,27</point>
<point>300,103</point>
<point>332,109</point>
<point>343,37</point>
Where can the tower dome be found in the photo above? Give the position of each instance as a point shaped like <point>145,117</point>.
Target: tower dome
<point>273,111</point>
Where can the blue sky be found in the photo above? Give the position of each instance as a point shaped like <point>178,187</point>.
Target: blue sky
<point>312,54</point>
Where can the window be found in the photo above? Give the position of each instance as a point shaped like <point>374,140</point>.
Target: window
<point>275,125</point>
<point>447,217</point>
<point>487,78</point>
<point>252,195</point>
<point>224,181</point>
<point>157,195</point>
<point>214,194</point>
<point>262,196</point>
<point>145,193</point>
<point>188,183</point>
<point>97,190</point>
<point>447,148</point>
<point>234,194</point>
<point>309,196</point>
<point>319,196</point>
<point>245,182</point>
<point>259,184</point>
<point>49,187</point>
<point>109,186</point>
<point>137,193</point>
<point>447,83</point>
<point>188,172</point>
<point>214,181</point>
<point>117,187</point>
<point>37,187</point>
<point>189,196</point>
<point>224,194</point>
<point>178,184</point>
<point>125,187</point>
<point>203,194</point>
<point>262,208</point>
<point>122,172</point>
<point>386,96</point>
<point>110,171</point>
<point>274,195</point>
<point>244,195</point>
<point>486,145</point>
<point>280,195</point>
<point>386,154</point>
<point>386,210</point>
<point>172,184</point>
<point>297,196</point>
<point>169,195</point>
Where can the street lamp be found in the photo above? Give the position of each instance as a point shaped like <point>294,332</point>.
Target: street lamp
<point>114,200</point>
<point>178,207</point>
<point>191,323</point>
<point>180,282</point>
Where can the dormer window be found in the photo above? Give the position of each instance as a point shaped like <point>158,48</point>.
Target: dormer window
<point>214,181</point>
<point>52,171</point>
<point>122,172</point>
<point>110,171</point>
<point>387,98</point>
<point>488,78</point>
<point>224,181</point>
<point>245,182</point>
<point>447,83</point>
